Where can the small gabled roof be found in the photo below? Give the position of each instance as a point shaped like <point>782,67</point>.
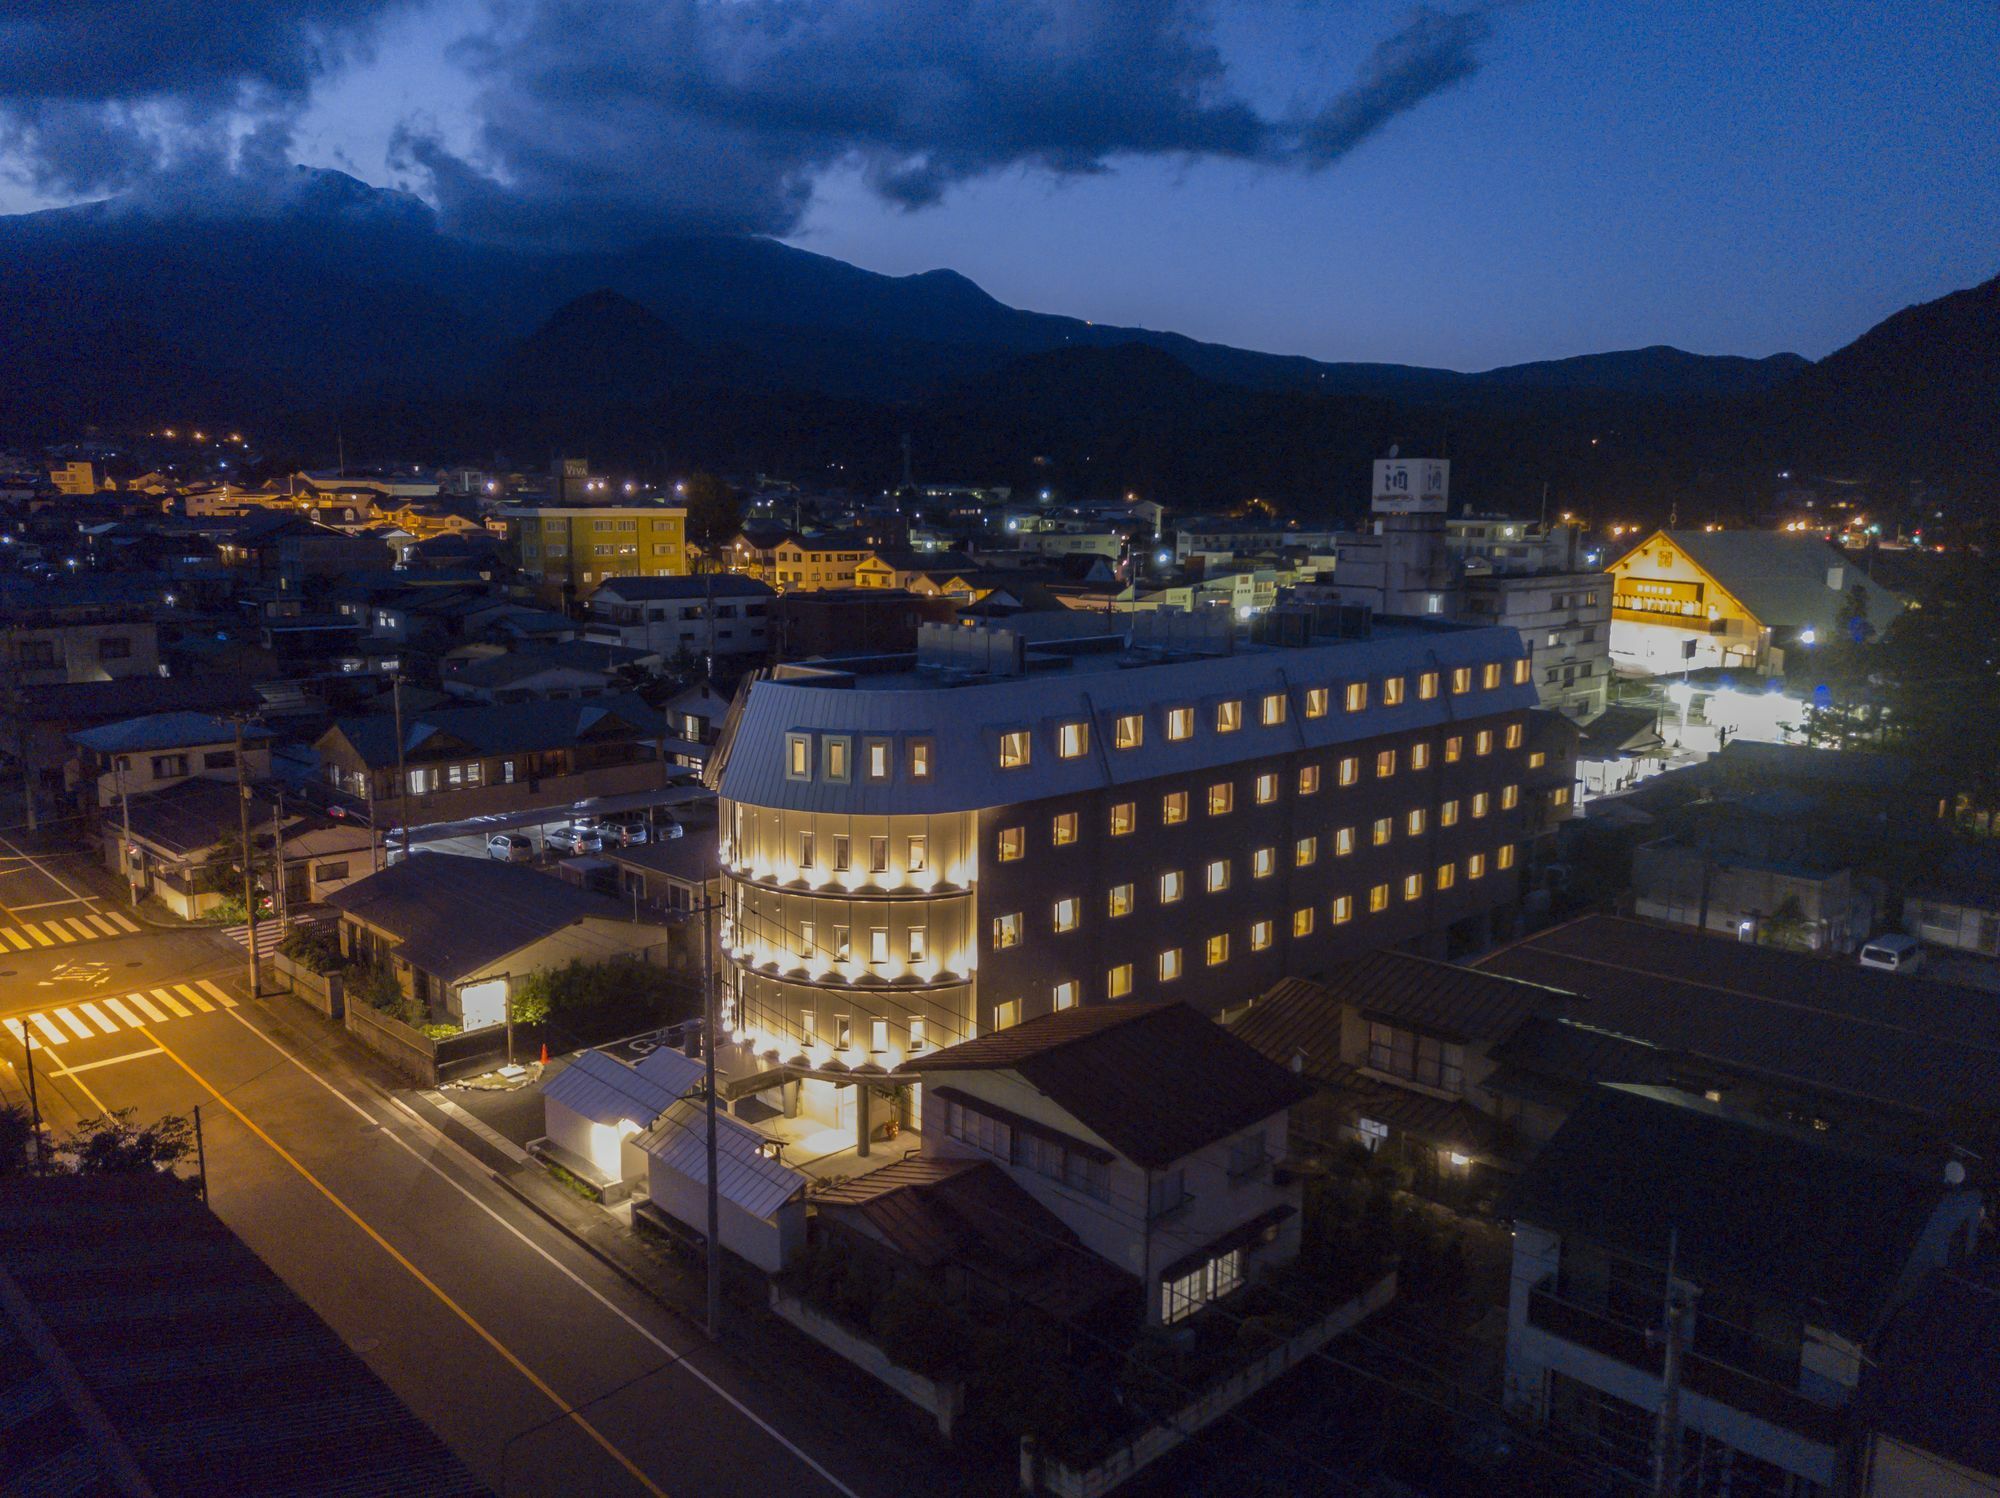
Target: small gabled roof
<point>164,731</point>
<point>605,1090</point>
<point>743,1173</point>
<point>502,728</point>
<point>1155,1081</point>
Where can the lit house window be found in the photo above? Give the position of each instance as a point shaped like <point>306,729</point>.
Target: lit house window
<point>1503,856</point>
<point>1475,866</point>
<point>1173,808</point>
<point>1461,678</point>
<point>1343,842</point>
<point>1420,756</point>
<point>1413,824</point>
<point>1350,769</point>
<point>1173,884</point>
<point>1385,763</point>
<point>1180,723</point>
<point>1267,787</point>
<point>1260,935</point>
<point>1129,731</point>
<point>1064,994</point>
<point>1510,797</point>
<point>1413,886</point>
<point>1427,686</point>
<point>1378,899</point>
<point>1228,716</point>
<point>1274,709</point>
<point>1006,931</point>
<point>1118,981</point>
<point>1447,875</point>
<point>1343,909</point>
<point>1559,796</point>
<point>1482,742</point>
<point>1014,749</point>
<point>1357,696</point>
<point>1309,780</point>
<point>1124,817</point>
<point>1067,912</point>
<point>1170,964</point>
<point>1062,829</point>
<point>1182,1293</point>
<point>1218,875</point>
<point>1118,900</point>
<point>1392,691</point>
<point>1454,749</point>
<point>1221,798</point>
<point>1385,828</point>
<point>1489,675</point>
<point>1480,800</point>
<point>798,757</point>
<point>1514,734</point>
<point>1306,852</point>
<point>920,759</point>
<point>1072,740</point>
<point>1010,843</point>
<point>1315,702</point>
<point>1448,814</point>
<point>1263,863</point>
<point>1302,921</point>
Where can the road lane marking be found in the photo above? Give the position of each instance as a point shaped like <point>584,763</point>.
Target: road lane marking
<point>15,937</point>
<point>217,994</point>
<point>147,1007</point>
<point>194,998</point>
<point>103,925</point>
<point>181,1011</point>
<point>35,931</point>
<point>71,1022</point>
<point>47,904</point>
<point>57,932</point>
<point>129,925</point>
<point>35,864</point>
<point>417,1274</point>
<point>98,1018</point>
<point>125,1016</point>
<point>680,1357</point>
<point>20,1033</point>
<point>81,930</point>
<point>41,1022</point>
<point>70,1071</point>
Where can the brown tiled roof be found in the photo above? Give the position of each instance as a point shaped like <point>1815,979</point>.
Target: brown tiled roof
<point>1891,1039</point>
<point>1155,1081</point>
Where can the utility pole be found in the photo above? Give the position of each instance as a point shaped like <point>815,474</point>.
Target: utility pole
<point>709,1039</point>
<point>1667,1435</point>
<point>125,853</point>
<point>278,859</point>
<point>402,774</point>
<point>249,863</point>
<point>34,1101</point>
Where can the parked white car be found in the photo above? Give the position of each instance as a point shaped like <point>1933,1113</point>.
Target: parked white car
<point>514,847</point>
<point>1895,953</point>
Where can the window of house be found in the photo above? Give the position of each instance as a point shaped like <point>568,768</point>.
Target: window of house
<point>1062,829</point>
<point>1014,749</point>
<point>1309,780</point>
<point>1420,756</point>
<point>974,1126</point>
<point>1173,884</point>
<point>1514,735</point>
<point>798,757</point>
<point>1067,913</point>
<point>220,759</point>
<point>1357,696</point>
<point>1302,921</point>
<point>1343,842</point>
<point>1166,1192</point>
<point>878,854</point>
<point>1480,801</point>
<point>1427,686</point>
<point>1413,824</point>
<point>1263,863</point>
<point>1489,675</point>
<point>1182,1294</point>
<point>1118,900</point>
<point>1343,909</point>
<point>878,947</point>
<point>1215,951</point>
<point>1228,716</point>
<point>1510,797</point>
<point>1503,856</point>
<point>1010,844</point>
<point>1072,740</point>
<point>1267,788</point>
<point>1385,828</point>
<point>1454,749</point>
<point>1448,814</point>
<point>877,751</point>
<point>1413,886</point>
<point>1006,931</point>
<point>836,759</point>
<point>1378,898</point>
<point>1274,709</point>
<point>1260,935</point>
<point>1316,702</point>
<point>422,780</point>
<point>1129,731</point>
<point>1482,742</point>
<point>1425,1059</point>
<point>1475,866</point>
<point>1221,798</point>
<point>1180,723</point>
<point>1118,981</point>
<point>1305,852</point>
<point>1447,875</point>
<point>1170,964</point>
<point>1350,769</point>
<point>1385,763</point>
<point>919,853</point>
<point>1124,818</point>
<point>1461,679</point>
<point>1392,691</point>
<point>1217,875</point>
<point>806,850</point>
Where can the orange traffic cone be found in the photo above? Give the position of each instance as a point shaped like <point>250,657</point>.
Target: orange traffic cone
<point>545,1053</point>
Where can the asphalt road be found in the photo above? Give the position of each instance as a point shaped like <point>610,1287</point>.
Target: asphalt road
<point>546,1372</point>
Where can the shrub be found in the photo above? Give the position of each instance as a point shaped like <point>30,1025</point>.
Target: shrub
<point>314,948</point>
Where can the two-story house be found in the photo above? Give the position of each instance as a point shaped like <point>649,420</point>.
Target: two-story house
<point>713,615</point>
<point>1771,1257</point>
<point>140,755</point>
<point>1150,1132</point>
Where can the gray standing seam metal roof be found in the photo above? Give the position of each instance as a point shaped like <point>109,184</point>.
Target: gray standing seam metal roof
<point>1781,579</point>
<point>965,722</point>
<point>744,1175</point>
<point>177,730</point>
<point>605,1090</point>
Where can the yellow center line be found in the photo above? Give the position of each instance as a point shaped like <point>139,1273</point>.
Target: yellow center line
<point>417,1274</point>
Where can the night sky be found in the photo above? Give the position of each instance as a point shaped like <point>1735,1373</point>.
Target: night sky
<point>1346,179</point>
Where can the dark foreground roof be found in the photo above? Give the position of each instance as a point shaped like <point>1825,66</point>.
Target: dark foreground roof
<point>454,915</point>
<point>1930,1383</point>
<point>1155,1081</point>
<point>1783,1215</point>
<point>123,1297</point>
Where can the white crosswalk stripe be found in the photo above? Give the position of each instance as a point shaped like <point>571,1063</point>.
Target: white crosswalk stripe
<point>270,932</point>
<point>88,1019</point>
<point>66,930</point>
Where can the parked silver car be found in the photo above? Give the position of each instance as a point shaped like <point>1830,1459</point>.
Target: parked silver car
<point>574,840</point>
<point>514,847</point>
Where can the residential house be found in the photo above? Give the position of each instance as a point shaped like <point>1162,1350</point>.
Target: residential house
<point>928,574</point>
<point>677,881</point>
<point>139,755</point>
<point>460,934</point>
<point>790,562</point>
<point>536,674</point>
<point>1784,1252</point>
<point>1151,1132</point>
<point>1685,599</point>
<point>1782,893</point>
<point>35,727</point>
<point>95,629</point>
<point>1955,902</point>
<point>709,616</point>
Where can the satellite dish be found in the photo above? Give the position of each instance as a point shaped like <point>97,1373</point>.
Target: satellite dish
<point>1954,1172</point>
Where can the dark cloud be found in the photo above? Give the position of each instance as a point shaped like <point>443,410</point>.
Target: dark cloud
<point>604,120</point>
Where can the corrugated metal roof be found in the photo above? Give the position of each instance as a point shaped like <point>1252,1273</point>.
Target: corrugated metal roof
<point>673,1071</point>
<point>679,1142</point>
<point>965,722</point>
<point>182,730</point>
<point>605,1090</point>
<point>1781,579</point>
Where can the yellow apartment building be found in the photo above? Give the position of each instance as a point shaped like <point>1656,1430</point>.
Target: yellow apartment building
<point>581,546</point>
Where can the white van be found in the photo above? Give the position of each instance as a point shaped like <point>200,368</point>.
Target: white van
<point>1895,953</point>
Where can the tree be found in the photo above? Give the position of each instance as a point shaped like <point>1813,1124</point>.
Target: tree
<point>713,514</point>
<point>17,1141</point>
<point>114,1146</point>
<point>1941,679</point>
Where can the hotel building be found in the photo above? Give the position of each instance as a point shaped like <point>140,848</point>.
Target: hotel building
<point>920,849</point>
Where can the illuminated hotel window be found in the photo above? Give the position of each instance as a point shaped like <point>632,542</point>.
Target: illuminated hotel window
<point>1343,909</point>
<point>1448,814</point>
<point>1357,696</point>
<point>1172,886</point>
<point>1513,735</point>
<point>878,943</point>
<point>1392,691</point>
<point>1180,723</point>
<point>920,759</point>
<point>1537,760</point>
<point>1489,676</point>
<point>1385,763</point>
<point>1118,981</point>
<point>919,858</point>
<point>1173,808</point>
<point>842,946</point>
<point>836,759</point>
<point>1072,740</point>
<point>1378,898</point>
<point>1217,950</point>
<point>1302,921</point>
<point>1274,709</point>
<point>1343,842</point>
<point>1267,787</point>
<point>843,1032</point>
<point>1129,732</point>
<point>804,939</point>
<point>1065,994</point>
<point>1124,817</point>
<point>1480,801</point>
<point>841,860</point>
<point>1170,964</point>
<point>1315,702</point>
<point>1427,685</point>
<point>805,850</point>
<point>1503,857</point>
<point>916,1036</point>
<point>1559,796</point>
<point>1306,852</point>
<point>1010,844</point>
<point>878,759</point>
<point>1067,913</point>
<point>1014,749</point>
<point>1118,900</point>
<point>1385,828</point>
<point>1461,678</point>
<point>1447,875</point>
<point>1350,769</point>
<point>798,757</point>
<point>878,1036</point>
<point>1309,780</point>
<point>1420,756</point>
<point>1228,716</point>
<point>1260,935</point>
<point>1521,672</point>
<point>1007,1015</point>
<point>1510,797</point>
<point>1063,829</point>
<point>1414,823</point>
<point>1006,931</point>
<point>878,854</point>
<point>1475,866</point>
<point>1263,863</point>
<point>1454,749</point>
<point>1482,742</point>
<point>1413,886</point>
<point>1218,875</point>
<point>1221,798</point>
